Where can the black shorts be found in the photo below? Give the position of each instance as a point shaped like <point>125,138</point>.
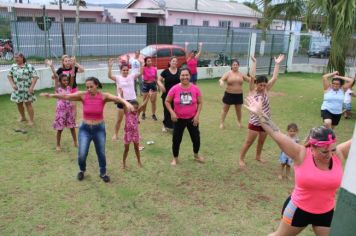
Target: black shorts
<point>335,119</point>
<point>233,98</point>
<point>146,87</point>
<point>294,216</point>
<point>120,105</point>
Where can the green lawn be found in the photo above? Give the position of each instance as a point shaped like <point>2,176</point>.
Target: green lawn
<point>39,193</point>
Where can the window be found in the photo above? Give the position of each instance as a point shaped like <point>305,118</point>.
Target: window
<point>125,21</point>
<point>205,23</point>
<point>245,25</point>
<point>225,23</point>
<point>184,22</point>
<point>87,20</point>
<point>24,18</point>
<point>165,52</point>
<point>70,19</point>
<point>178,52</point>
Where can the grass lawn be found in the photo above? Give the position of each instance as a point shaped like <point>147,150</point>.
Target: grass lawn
<point>39,193</point>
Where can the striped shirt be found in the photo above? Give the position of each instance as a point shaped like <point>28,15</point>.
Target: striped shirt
<point>265,108</point>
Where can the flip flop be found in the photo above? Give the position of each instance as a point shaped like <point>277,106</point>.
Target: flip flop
<point>18,130</point>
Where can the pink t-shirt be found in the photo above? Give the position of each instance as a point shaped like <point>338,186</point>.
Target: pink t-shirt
<point>149,73</point>
<point>315,189</point>
<point>185,100</point>
<point>127,85</point>
<point>192,65</point>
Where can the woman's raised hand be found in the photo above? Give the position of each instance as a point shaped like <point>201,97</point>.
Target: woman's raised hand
<point>253,58</point>
<point>254,106</point>
<point>111,62</point>
<point>279,59</point>
<point>49,62</point>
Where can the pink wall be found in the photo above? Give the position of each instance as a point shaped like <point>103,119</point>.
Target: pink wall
<point>198,18</point>
<point>54,13</point>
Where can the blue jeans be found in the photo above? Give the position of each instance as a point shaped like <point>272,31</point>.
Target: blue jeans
<point>86,134</point>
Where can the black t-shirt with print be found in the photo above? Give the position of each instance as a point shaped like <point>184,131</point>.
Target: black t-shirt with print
<point>67,72</point>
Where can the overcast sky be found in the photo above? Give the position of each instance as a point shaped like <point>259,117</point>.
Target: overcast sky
<point>88,1</point>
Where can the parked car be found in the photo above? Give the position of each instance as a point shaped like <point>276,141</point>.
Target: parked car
<point>160,53</point>
<point>319,52</point>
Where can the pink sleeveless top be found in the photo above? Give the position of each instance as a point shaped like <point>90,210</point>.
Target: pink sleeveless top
<point>93,107</point>
<point>315,189</point>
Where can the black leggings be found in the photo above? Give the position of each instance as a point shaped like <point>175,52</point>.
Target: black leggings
<point>178,131</point>
<point>167,121</point>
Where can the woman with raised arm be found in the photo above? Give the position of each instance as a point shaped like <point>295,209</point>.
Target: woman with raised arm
<point>168,78</point>
<point>23,78</point>
<point>149,73</point>
<point>318,173</point>
<point>187,100</point>
<point>92,127</point>
<point>192,58</point>
<point>259,89</point>
<point>70,67</point>
<point>331,109</point>
<point>125,85</point>
<point>233,92</point>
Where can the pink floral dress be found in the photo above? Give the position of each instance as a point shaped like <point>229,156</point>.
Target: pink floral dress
<point>65,117</point>
<point>132,133</point>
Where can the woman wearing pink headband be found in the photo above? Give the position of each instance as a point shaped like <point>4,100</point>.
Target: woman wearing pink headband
<point>318,173</point>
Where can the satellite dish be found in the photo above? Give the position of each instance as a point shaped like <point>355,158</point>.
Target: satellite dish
<point>162,3</point>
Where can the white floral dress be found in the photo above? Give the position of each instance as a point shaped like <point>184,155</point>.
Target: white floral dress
<point>22,77</point>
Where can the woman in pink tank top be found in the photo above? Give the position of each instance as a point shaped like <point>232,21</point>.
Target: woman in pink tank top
<point>192,58</point>
<point>92,127</point>
<point>318,174</point>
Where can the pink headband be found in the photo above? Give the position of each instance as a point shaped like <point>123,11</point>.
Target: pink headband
<point>318,143</point>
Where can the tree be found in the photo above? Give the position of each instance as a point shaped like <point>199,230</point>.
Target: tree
<point>338,19</point>
<point>252,5</point>
<point>289,10</point>
<point>78,4</point>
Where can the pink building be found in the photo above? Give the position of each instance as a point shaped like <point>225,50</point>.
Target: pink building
<point>29,12</point>
<point>187,12</point>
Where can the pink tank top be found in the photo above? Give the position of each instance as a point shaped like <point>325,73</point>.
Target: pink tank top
<point>315,189</point>
<point>93,107</point>
<point>192,65</point>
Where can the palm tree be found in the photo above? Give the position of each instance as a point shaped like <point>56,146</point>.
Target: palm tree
<point>77,3</point>
<point>338,18</point>
<point>289,10</point>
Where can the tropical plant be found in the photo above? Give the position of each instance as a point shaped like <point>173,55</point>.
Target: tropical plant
<point>338,19</point>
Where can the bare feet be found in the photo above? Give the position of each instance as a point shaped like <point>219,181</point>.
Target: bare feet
<point>242,164</point>
<point>140,148</point>
<point>199,159</point>
<point>124,167</point>
<point>139,164</point>
<point>58,148</point>
<point>280,177</point>
<point>239,125</point>
<point>222,126</point>
<point>30,123</point>
<point>115,137</point>
<point>164,130</point>
<point>76,145</point>
<point>174,161</point>
<point>22,119</point>
<point>260,159</point>
<point>289,178</point>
